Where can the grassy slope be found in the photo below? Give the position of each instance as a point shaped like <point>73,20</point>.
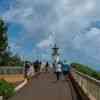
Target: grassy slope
<point>86,70</point>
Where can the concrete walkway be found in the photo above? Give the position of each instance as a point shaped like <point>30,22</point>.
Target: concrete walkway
<point>44,87</point>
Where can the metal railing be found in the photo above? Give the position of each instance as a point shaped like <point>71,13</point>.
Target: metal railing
<point>11,70</point>
<point>89,85</point>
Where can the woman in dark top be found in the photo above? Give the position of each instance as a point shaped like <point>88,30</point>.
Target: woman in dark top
<point>27,66</point>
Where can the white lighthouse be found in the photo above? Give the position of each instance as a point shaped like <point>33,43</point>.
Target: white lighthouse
<point>55,54</point>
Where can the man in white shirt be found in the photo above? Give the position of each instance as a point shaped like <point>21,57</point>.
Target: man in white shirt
<point>58,69</point>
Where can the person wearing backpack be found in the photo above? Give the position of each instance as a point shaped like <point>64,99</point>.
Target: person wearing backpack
<point>65,69</point>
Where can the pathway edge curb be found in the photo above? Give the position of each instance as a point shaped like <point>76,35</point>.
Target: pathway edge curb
<point>23,83</point>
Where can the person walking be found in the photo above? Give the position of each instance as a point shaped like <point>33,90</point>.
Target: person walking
<point>27,66</point>
<point>65,70</point>
<point>36,66</point>
<point>46,67</point>
<point>58,70</point>
<point>43,67</point>
<point>31,71</point>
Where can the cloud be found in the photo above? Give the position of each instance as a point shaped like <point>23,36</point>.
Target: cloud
<point>94,32</point>
<point>69,19</point>
<point>51,14</point>
<point>46,43</point>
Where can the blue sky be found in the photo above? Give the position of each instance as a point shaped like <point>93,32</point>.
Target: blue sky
<point>34,26</point>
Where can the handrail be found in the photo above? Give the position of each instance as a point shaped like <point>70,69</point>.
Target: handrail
<point>89,85</point>
<point>88,77</point>
<point>13,67</point>
<point>11,70</point>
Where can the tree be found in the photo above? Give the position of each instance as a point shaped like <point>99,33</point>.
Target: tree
<point>6,57</point>
<point>3,39</point>
<point>15,60</point>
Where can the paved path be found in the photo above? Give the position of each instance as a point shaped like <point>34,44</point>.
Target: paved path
<point>44,87</point>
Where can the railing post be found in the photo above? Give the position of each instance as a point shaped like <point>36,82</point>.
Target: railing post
<point>87,87</point>
<point>1,97</point>
<point>98,93</point>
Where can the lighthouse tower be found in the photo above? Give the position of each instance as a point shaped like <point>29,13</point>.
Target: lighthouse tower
<point>55,54</point>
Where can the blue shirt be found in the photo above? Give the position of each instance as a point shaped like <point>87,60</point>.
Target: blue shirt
<point>65,67</point>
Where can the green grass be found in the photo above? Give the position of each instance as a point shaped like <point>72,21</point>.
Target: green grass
<point>6,89</point>
<point>86,70</point>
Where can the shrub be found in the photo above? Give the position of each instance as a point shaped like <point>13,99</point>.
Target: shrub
<point>6,89</point>
<point>86,70</point>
